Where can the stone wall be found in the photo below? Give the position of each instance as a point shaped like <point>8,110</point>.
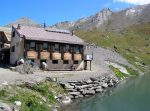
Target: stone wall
<point>89,87</point>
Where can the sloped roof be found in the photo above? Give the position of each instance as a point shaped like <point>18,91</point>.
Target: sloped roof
<point>7,32</point>
<point>44,34</point>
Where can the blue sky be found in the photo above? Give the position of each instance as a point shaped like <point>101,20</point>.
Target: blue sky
<point>53,11</point>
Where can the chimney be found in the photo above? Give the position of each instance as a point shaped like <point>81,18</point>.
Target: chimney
<point>72,32</point>
<point>19,26</point>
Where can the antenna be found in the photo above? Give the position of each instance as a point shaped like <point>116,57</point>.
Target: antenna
<point>44,24</point>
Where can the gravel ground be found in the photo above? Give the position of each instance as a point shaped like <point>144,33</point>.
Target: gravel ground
<point>99,67</point>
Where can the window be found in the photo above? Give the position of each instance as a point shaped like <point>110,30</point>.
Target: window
<point>66,48</point>
<point>77,49</point>
<point>37,46</point>
<point>45,46</point>
<point>13,49</point>
<point>65,62</point>
<point>55,48</point>
<point>13,34</point>
<point>55,61</point>
<point>32,45</point>
<point>75,62</point>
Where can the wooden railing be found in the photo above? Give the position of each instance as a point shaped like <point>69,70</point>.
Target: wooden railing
<point>77,57</point>
<point>32,55</point>
<point>67,56</point>
<point>44,55</point>
<point>56,56</point>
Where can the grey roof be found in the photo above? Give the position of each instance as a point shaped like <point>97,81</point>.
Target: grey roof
<point>42,34</point>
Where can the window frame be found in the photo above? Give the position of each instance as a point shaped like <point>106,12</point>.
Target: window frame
<point>75,62</point>
<point>32,48</point>
<point>65,62</point>
<point>54,61</point>
<point>45,48</point>
<point>13,48</point>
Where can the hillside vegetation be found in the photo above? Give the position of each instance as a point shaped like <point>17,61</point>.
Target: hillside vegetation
<point>133,43</point>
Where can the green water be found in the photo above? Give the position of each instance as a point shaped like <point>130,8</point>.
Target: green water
<point>134,95</point>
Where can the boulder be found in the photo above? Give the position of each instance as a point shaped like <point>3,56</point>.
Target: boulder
<point>17,103</point>
<point>104,85</point>
<point>99,90</point>
<point>89,81</point>
<point>66,85</point>
<point>88,92</point>
<point>71,90</point>
<point>94,79</point>
<point>66,100</point>
<point>74,93</point>
<point>4,83</point>
<point>4,107</point>
<point>73,81</point>
<point>81,87</point>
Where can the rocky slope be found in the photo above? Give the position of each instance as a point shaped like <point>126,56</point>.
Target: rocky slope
<point>107,19</point>
<point>24,21</point>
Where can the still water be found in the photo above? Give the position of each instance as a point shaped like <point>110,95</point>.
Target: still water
<point>134,95</point>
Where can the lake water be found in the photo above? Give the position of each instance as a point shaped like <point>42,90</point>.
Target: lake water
<point>134,95</point>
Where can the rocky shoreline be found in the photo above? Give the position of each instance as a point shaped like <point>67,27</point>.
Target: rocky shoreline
<point>91,86</point>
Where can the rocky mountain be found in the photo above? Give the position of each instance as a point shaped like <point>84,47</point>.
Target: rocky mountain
<point>107,19</point>
<point>24,21</point>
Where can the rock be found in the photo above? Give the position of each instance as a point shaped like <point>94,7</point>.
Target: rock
<point>19,82</point>
<point>79,96</point>
<point>94,79</point>
<point>18,103</point>
<point>25,68</point>
<point>81,87</point>
<point>30,84</point>
<point>4,107</point>
<point>89,81</point>
<point>74,93</point>
<point>104,85</point>
<point>72,97</point>
<point>50,79</point>
<point>88,92</point>
<point>71,90</point>
<point>95,82</point>
<point>73,81</point>
<point>15,108</point>
<point>4,83</point>
<point>72,84</point>
<point>68,86</point>
<point>53,108</point>
<point>66,100</point>
<point>99,90</point>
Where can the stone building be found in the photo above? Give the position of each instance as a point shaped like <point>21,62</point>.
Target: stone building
<point>60,49</point>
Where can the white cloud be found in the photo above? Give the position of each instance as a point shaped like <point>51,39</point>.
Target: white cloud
<point>138,2</point>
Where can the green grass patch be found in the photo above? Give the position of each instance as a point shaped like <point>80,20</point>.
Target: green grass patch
<point>3,93</point>
<point>118,73</point>
<point>131,42</point>
<point>35,98</point>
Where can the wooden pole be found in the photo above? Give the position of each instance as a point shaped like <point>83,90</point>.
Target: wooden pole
<point>90,65</point>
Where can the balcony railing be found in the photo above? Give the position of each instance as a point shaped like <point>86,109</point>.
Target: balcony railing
<point>32,55</point>
<point>67,56</point>
<point>56,56</point>
<point>77,57</point>
<point>44,55</point>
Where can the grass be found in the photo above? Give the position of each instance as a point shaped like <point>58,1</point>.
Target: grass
<point>117,72</point>
<point>122,75</point>
<point>133,42</point>
<point>35,98</point>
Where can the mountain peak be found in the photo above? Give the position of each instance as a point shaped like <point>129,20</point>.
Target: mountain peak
<point>24,21</point>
